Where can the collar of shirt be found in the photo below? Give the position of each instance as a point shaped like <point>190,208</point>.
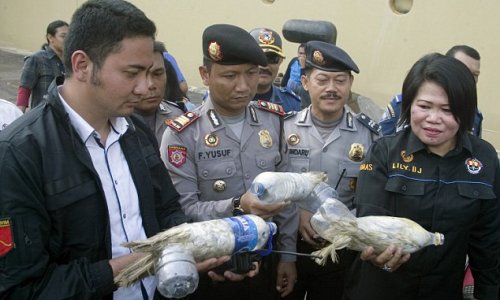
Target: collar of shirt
<point>415,144</point>
<point>119,125</point>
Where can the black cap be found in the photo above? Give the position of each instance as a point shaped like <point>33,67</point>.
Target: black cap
<point>230,45</point>
<point>269,40</point>
<point>328,57</point>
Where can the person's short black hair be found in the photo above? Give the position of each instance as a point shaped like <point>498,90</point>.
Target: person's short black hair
<point>469,51</point>
<point>99,26</point>
<point>450,74</point>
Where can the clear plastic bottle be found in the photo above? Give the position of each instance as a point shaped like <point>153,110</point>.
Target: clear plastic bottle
<point>320,193</point>
<point>176,268</point>
<point>176,272</point>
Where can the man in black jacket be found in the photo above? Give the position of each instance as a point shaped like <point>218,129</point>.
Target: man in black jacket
<point>79,176</point>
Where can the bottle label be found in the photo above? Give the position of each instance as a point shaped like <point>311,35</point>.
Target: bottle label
<point>245,233</point>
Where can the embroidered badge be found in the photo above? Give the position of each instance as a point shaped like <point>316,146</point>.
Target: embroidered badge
<point>406,158</point>
<point>293,139</point>
<point>214,51</point>
<point>177,155</point>
<point>219,186</point>
<point>265,139</point>
<point>357,151</point>
<point>473,165</point>
<point>6,242</point>
<point>266,37</point>
<point>317,58</point>
<point>211,140</point>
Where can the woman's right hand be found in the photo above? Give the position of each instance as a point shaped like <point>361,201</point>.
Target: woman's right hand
<point>389,260</point>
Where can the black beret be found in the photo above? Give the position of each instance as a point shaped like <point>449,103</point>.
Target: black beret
<point>328,57</point>
<point>269,40</point>
<point>230,45</point>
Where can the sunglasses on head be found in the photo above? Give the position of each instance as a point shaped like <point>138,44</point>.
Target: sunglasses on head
<point>272,58</point>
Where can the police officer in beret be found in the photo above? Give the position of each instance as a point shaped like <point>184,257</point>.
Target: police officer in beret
<point>270,42</point>
<point>214,153</point>
<point>326,137</point>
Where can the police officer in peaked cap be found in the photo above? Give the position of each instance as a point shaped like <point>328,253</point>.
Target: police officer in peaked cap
<point>214,153</point>
<point>326,137</point>
<point>270,42</point>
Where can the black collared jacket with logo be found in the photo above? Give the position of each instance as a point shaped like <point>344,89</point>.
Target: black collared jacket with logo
<point>456,195</point>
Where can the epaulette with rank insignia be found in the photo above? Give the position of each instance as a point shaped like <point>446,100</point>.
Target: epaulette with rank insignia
<point>290,114</point>
<point>183,121</point>
<point>272,107</point>
<point>368,122</point>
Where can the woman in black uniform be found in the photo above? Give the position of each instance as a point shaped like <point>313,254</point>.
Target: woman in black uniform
<point>437,174</point>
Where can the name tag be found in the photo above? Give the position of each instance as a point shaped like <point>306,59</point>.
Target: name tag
<point>214,154</point>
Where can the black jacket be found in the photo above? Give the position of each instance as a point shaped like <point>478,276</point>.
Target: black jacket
<point>52,200</point>
<point>456,195</point>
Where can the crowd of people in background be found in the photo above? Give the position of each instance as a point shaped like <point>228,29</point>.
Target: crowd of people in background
<point>105,147</point>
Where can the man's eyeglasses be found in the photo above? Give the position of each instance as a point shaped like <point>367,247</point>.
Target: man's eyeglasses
<point>272,58</point>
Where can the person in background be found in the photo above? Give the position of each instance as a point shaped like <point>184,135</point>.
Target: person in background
<point>436,173</point>
<point>214,153</point>
<point>156,111</point>
<point>41,68</point>
<point>180,76</point>
<point>470,57</point>
<point>326,137</point>
<point>79,176</point>
<point>293,73</point>
<point>270,42</point>
<point>8,113</point>
<point>182,83</point>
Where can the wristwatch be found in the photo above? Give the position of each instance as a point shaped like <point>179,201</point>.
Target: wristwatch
<point>237,210</point>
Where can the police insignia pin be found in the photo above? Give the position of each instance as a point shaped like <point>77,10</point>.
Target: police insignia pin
<point>406,158</point>
<point>265,139</point>
<point>214,51</point>
<point>266,37</point>
<point>318,58</point>
<point>219,186</point>
<point>211,140</point>
<point>357,151</point>
<point>293,139</point>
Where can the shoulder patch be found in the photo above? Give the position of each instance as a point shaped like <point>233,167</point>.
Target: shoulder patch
<point>368,122</point>
<point>271,107</point>
<point>290,114</point>
<point>183,121</point>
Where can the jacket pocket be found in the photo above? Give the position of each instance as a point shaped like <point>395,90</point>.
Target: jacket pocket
<point>266,162</point>
<point>476,191</point>
<point>405,187</point>
<point>70,189</point>
<point>298,165</point>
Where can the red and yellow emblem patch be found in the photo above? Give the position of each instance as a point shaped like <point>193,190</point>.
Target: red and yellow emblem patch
<point>177,155</point>
<point>6,242</point>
